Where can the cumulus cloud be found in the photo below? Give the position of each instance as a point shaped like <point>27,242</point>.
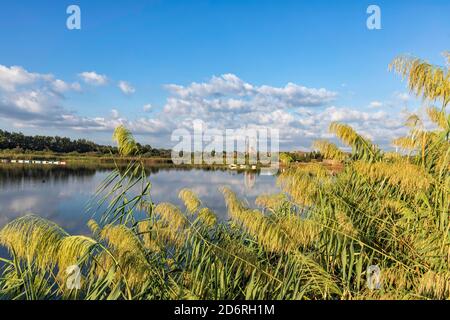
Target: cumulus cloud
<point>37,100</point>
<point>375,104</point>
<point>93,78</point>
<point>28,96</point>
<point>61,86</point>
<point>147,108</point>
<point>14,76</point>
<point>301,114</point>
<point>126,87</point>
<point>226,101</point>
<point>239,92</point>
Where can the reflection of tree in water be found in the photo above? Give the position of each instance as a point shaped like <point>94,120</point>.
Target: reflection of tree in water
<point>18,174</point>
<point>156,169</point>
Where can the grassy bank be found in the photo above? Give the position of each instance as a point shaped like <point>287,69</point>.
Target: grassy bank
<point>74,157</point>
<point>102,161</point>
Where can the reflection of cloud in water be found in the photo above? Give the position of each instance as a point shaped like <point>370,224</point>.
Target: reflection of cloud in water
<point>23,204</point>
<point>63,199</point>
<point>14,204</point>
<point>166,186</point>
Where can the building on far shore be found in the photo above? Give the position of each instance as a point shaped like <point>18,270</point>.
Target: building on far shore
<point>58,163</point>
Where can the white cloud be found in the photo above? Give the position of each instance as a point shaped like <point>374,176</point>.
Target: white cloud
<point>28,96</point>
<point>61,86</point>
<point>404,97</point>
<point>126,87</point>
<point>14,76</point>
<point>37,101</point>
<point>147,108</point>
<point>229,85</point>
<point>375,104</point>
<point>301,114</point>
<point>115,114</point>
<point>349,115</point>
<point>94,78</point>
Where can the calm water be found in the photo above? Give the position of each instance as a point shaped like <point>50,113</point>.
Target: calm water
<point>60,194</point>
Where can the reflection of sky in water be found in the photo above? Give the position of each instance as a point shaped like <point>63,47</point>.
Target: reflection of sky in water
<point>61,194</point>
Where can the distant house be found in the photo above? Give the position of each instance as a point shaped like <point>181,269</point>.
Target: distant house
<point>4,161</point>
<point>13,161</point>
<point>20,161</point>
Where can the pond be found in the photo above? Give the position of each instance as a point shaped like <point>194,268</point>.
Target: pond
<point>61,194</point>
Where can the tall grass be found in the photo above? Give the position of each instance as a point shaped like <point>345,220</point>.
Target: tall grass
<point>316,240</point>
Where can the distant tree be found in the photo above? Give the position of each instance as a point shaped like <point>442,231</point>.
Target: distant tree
<point>21,143</point>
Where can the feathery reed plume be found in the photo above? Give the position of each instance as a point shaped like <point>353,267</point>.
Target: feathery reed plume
<point>232,202</point>
<point>405,143</point>
<point>345,224</point>
<point>125,141</point>
<point>166,235</point>
<point>363,149</point>
<point>424,79</point>
<point>123,240</point>
<point>439,117</point>
<point>392,156</point>
<point>171,215</point>
<point>207,217</point>
<point>128,252</point>
<point>94,227</point>
<point>147,229</point>
<point>256,224</point>
<point>435,285</point>
<point>271,201</point>
<point>301,232</point>
<point>408,177</point>
<point>74,250</point>
<point>171,228</point>
<point>329,150</point>
<point>303,183</point>
<point>33,238</point>
<point>190,200</point>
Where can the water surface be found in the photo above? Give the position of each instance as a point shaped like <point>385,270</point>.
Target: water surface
<point>61,194</point>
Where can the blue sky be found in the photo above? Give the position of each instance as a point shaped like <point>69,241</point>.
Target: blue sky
<point>260,46</point>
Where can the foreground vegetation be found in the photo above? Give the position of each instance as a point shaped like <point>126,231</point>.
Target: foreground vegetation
<point>316,240</point>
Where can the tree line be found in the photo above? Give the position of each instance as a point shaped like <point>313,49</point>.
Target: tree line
<point>18,142</point>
